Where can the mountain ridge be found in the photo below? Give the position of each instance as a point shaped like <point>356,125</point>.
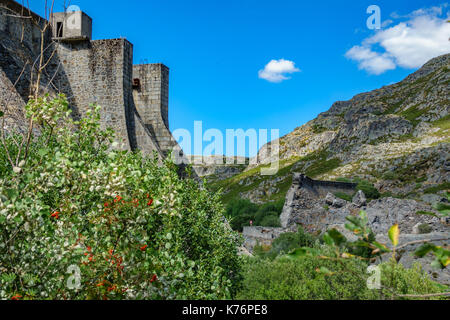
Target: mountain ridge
<point>396,136</point>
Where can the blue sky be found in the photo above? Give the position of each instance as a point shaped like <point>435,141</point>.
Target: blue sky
<point>215,50</point>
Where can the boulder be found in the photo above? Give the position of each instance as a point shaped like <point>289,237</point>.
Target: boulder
<point>334,201</point>
<point>359,199</point>
<point>329,199</point>
<point>384,213</point>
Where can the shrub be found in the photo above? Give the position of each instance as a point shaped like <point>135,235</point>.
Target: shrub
<point>261,249</point>
<point>317,128</point>
<point>299,279</point>
<point>389,175</point>
<point>268,214</point>
<point>443,208</point>
<point>238,223</point>
<point>368,188</point>
<point>241,211</point>
<point>272,207</point>
<point>304,238</point>
<point>261,215</point>
<point>239,207</point>
<point>270,221</point>
<point>365,186</point>
<point>425,228</point>
<point>287,279</point>
<point>80,220</point>
<point>398,280</point>
<point>361,250</point>
<point>287,242</point>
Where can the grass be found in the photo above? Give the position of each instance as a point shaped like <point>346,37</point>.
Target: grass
<point>393,108</point>
<point>320,163</point>
<point>436,189</point>
<point>443,208</point>
<point>317,129</point>
<point>343,196</point>
<point>379,140</point>
<point>407,137</point>
<point>343,179</point>
<point>443,123</point>
<point>322,166</point>
<point>409,173</point>
<point>427,213</point>
<point>283,188</point>
<point>413,113</point>
<point>389,194</point>
<point>233,189</point>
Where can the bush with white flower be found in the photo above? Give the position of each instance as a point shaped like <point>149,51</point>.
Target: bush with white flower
<point>81,220</point>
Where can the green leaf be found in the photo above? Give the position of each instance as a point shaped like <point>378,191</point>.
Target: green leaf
<point>12,194</point>
<point>444,260</point>
<point>351,227</point>
<point>301,252</point>
<point>360,243</point>
<point>42,152</point>
<point>364,218</point>
<point>337,237</point>
<point>324,271</point>
<point>2,114</point>
<point>394,233</point>
<point>355,220</point>
<point>436,264</point>
<point>381,246</point>
<point>327,239</point>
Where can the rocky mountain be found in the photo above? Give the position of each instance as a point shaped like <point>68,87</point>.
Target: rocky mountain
<point>313,205</point>
<point>397,137</point>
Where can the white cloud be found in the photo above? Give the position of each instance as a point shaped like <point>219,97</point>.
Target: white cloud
<point>387,23</point>
<point>276,70</point>
<point>371,61</point>
<point>409,44</point>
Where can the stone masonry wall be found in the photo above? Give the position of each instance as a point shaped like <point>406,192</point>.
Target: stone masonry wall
<point>88,72</point>
<point>151,99</point>
<point>322,188</point>
<point>140,137</point>
<point>21,29</point>
<point>20,41</point>
<point>100,71</point>
<point>254,236</point>
<point>96,73</point>
<point>11,103</point>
